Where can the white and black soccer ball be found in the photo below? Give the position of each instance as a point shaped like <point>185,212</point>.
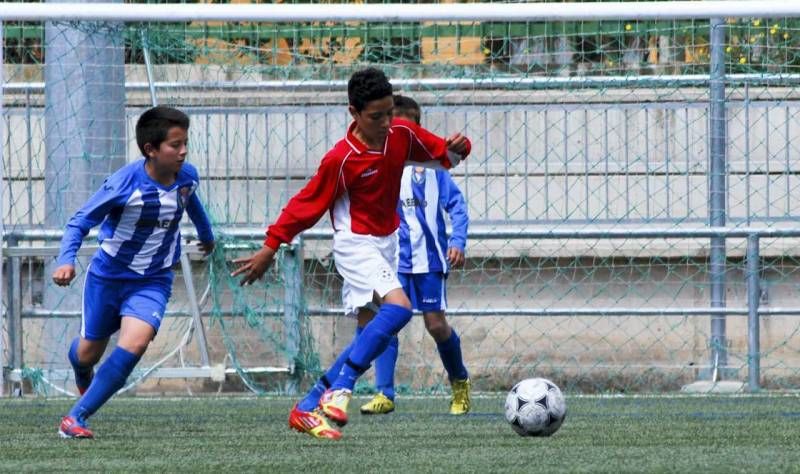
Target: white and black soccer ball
<point>535,407</point>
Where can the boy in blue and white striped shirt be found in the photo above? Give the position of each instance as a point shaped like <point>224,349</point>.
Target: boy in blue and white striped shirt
<point>129,279</point>
<point>426,256</point>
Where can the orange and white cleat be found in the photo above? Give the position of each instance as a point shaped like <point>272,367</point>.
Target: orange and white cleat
<point>333,404</point>
<point>72,427</point>
<point>313,423</point>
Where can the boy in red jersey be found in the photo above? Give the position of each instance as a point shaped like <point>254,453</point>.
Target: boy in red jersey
<point>358,182</point>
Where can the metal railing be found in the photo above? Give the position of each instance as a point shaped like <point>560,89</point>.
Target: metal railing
<point>753,311</point>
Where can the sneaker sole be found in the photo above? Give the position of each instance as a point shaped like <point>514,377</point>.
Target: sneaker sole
<point>368,412</point>
<point>302,431</point>
<point>66,436</point>
<point>338,422</point>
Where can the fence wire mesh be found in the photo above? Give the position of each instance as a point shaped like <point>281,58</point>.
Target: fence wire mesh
<point>575,125</point>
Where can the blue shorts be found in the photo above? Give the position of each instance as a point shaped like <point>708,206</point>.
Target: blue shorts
<point>427,291</point>
<point>106,300</point>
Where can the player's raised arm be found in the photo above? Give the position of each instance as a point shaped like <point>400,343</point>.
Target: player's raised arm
<point>432,151</point>
<point>301,212</point>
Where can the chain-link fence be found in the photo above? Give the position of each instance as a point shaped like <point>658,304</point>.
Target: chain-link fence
<point>588,130</point>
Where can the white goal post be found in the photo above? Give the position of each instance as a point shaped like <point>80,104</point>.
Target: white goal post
<point>397,12</point>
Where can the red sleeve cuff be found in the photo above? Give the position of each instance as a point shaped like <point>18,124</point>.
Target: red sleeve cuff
<point>272,242</point>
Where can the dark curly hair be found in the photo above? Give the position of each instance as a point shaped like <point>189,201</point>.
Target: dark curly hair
<point>367,85</point>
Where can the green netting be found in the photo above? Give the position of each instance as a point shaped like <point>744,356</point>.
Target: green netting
<point>575,126</point>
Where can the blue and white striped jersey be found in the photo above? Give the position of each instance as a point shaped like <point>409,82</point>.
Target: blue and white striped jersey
<point>139,235</point>
<point>425,195</point>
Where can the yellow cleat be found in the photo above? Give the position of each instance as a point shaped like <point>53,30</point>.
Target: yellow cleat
<point>460,404</point>
<point>379,405</point>
<point>333,404</point>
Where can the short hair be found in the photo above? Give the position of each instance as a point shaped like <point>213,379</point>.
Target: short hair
<point>367,85</point>
<point>403,105</point>
<point>154,124</point>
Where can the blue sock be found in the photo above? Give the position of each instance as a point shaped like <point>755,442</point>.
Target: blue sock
<point>311,399</point>
<point>83,373</point>
<point>109,378</point>
<point>450,352</point>
<point>388,322</point>
<point>384,368</point>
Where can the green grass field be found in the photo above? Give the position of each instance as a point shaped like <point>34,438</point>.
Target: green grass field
<point>628,434</point>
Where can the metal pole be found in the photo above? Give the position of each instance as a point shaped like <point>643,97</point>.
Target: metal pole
<point>2,216</point>
<point>84,139</point>
<point>753,326</point>
<point>717,194</point>
<point>402,12</point>
<point>186,265</point>
<point>15,334</point>
<point>292,272</point>
<point>149,67</point>
<point>200,330</point>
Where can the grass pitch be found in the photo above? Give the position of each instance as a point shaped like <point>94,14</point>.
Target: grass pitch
<point>628,434</point>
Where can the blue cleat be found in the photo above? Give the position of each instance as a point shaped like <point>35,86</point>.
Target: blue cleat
<point>72,427</point>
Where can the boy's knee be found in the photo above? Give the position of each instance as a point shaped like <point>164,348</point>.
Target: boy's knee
<point>137,347</point>
<point>398,297</point>
<point>437,326</point>
<point>89,358</point>
<point>90,352</point>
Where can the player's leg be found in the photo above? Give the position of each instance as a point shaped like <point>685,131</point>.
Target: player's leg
<point>86,350</point>
<point>143,305</point>
<point>83,355</point>
<point>394,314</point>
<point>306,417</point>
<point>368,264</point>
<point>135,335</point>
<point>449,346</point>
<point>385,364</point>
<point>432,287</point>
<point>311,400</point>
<point>383,401</point>
<point>99,319</point>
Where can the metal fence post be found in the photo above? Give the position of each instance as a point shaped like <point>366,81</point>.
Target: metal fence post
<point>292,274</point>
<point>14,299</point>
<point>2,227</point>
<point>753,323</point>
<point>194,308</point>
<point>717,192</point>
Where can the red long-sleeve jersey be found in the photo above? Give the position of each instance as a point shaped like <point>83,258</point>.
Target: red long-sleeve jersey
<point>358,186</point>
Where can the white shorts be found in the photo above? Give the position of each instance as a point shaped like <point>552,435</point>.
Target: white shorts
<point>368,265</point>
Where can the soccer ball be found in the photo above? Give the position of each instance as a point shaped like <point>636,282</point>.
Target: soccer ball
<point>535,407</point>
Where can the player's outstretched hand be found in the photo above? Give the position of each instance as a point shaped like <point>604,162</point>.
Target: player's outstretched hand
<point>457,144</point>
<point>455,256</point>
<point>64,274</point>
<point>254,266</point>
<point>206,247</point>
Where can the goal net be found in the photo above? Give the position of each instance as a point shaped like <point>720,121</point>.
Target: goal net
<point>601,170</point>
